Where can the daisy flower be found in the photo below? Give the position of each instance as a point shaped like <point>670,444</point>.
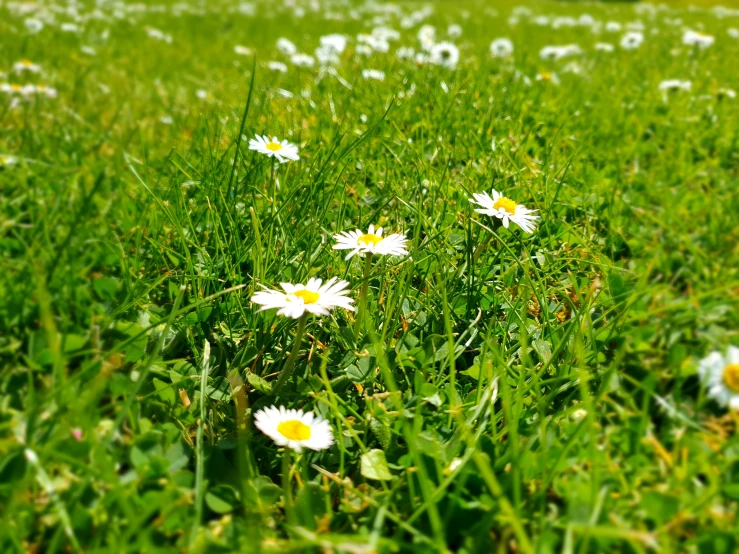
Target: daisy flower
<point>373,74</point>
<point>283,151</point>
<point>444,54</point>
<point>506,210</point>
<point>632,40</point>
<point>694,38</point>
<point>604,46</point>
<point>548,77</point>
<point>335,42</point>
<point>720,375</point>
<point>277,66</point>
<point>303,60</point>
<point>371,242</point>
<point>501,48</point>
<point>286,46</point>
<point>26,65</point>
<point>674,84</point>
<point>7,160</point>
<point>315,297</point>
<point>294,429</point>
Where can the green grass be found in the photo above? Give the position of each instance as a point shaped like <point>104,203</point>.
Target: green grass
<point>132,360</point>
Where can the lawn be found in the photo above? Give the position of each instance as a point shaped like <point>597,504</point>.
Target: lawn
<point>536,354</point>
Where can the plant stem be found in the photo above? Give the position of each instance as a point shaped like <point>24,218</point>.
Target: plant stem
<point>288,369</point>
<point>363,295</point>
<point>286,490</point>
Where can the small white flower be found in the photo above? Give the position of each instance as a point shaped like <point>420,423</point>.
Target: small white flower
<point>720,376</point>
<point>201,94</point>
<point>6,160</point>
<point>726,93</point>
<point>454,31</point>
<point>242,50</point>
<point>33,25</point>
<point>694,38</point>
<point>26,65</point>
<point>294,429</point>
<point>559,52</point>
<point>70,28</point>
<point>674,84</point>
<point>326,55</point>
<point>283,151</point>
<point>314,297</point>
<point>613,27</point>
<point>385,33</point>
<point>444,54</point>
<point>158,35</point>
<point>405,53</point>
<point>286,46</point>
<point>604,47</point>
<point>506,210</point>
<point>501,48</point>
<point>335,42</point>
<point>303,60</point>
<point>277,66</point>
<point>371,242</point>
<point>733,32</point>
<point>548,77</point>
<point>632,40</point>
<point>427,37</point>
<point>373,74</point>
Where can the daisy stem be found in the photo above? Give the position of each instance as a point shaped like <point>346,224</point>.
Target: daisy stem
<point>363,295</point>
<point>288,369</point>
<point>286,489</point>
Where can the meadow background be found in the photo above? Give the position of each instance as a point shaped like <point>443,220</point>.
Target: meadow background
<point>511,392</point>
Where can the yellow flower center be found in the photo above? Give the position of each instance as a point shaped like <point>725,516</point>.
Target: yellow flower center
<point>731,377</point>
<point>369,238</point>
<point>16,87</point>
<point>3,160</point>
<point>506,203</point>
<point>27,63</point>
<point>294,430</point>
<point>274,146</point>
<point>308,296</point>
<point>546,76</point>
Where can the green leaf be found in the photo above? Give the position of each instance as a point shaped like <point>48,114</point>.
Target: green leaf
<point>222,499</point>
<point>374,465</point>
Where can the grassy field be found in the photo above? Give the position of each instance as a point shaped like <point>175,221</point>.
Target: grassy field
<point>501,390</point>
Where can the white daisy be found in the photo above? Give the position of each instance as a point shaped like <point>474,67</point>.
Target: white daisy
<point>454,30</point>
<point>674,84</point>
<point>694,38</point>
<point>371,242</point>
<point>548,77</point>
<point>501,48</point>
<point>720,375</point>
<point>315,297</point>
<point>559,52</point>
<point>613,27</point>
<point>444,54</point>
<point>26,65</point>
<point>335,42</point>
<point>294,429</point>
<point>277,66</point>
<point>405,53</point>
<point>242,50</point>
<point>6,160</point>
<point>326,55</point>
<point>303,60</point>
<point>632,40</point>
<point>373,74</point>
<point>506,210</point>
<point>604,47</point>
<point>427,37</point>
<point>286,46</point>
<point>283,151</point>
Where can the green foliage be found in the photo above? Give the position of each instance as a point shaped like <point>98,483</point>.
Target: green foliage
<point>509,391</point>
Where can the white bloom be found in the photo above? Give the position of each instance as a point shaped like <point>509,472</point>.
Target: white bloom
<point>312,297</point>
<point>632,40</point>
<point>726,93</point>
<point>444,54</point>
<point>294,429</point>
<point>70,28</point>
<point>559,52</point>
<point>720,375</point>
<point>613,27</point>
<point>242,50</point>
<point>674,84</point>
<point>501,48</point>
<point>371,242</point>
<point>548,77</point>
<point>26,65</point>
<point>405,53</point>
<point>158,35</point>
<point>202,94</point>
<point>49,92</point>
<point>427,37</point>
<point>374,74</point>
<point>335,42</point>
<point>564,21</point>
<point>604,47</point>
<point>286,46</point>
<point>33,25</point>
<point>454,31</point>
<point>6,160</point>
<point>303,60</point>
<point>283,151</point>
<point>385,33</point>
<point>694,38</point>
<point>733,33</point>
<point>326,55</point>
<point>277,66</point>
<point>505,209</point>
